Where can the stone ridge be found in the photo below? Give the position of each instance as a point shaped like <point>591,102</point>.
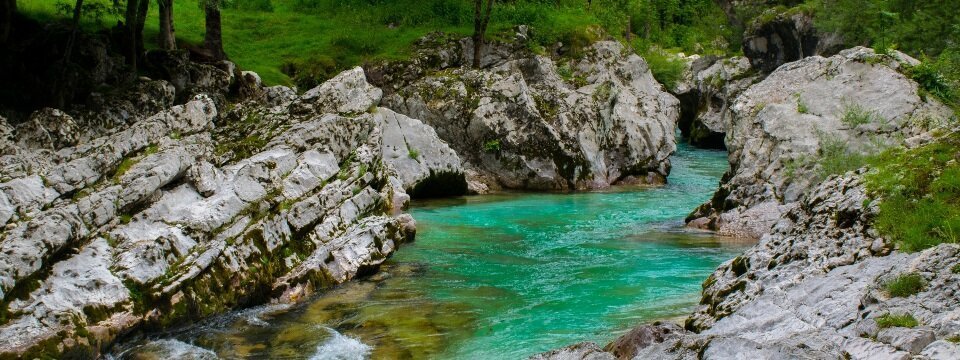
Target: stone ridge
<point>526,121</point>
<point>194,211</point>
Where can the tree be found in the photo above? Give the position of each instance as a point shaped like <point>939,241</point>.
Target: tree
<point>481,19</point>
<point>213,38</point>
<point>7,9</point>
<point>167,39</point>
<point>134,18</point>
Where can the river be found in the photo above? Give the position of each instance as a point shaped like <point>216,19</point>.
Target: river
<point>496,277</point>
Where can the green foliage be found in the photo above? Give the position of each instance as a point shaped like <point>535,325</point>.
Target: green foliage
<point>916,27</point>
<point>930,79</point>
<point>919,190</point>
<point>802,106</point>
<point>955,269</point>
<point>305,42</point>
<point>855,115</point>
<point>251,5</point>
<point>899,320</point>
<point>905,285</point>
<point>413,153</point>
<point>492,146</point>
<point>665,67</point>
<point>835,156</point>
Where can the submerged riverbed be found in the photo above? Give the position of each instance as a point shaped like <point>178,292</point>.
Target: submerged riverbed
<point>497,277</point>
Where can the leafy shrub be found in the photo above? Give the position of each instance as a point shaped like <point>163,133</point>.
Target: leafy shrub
<point>955,269</point>
<point>309,73</point>
<point>413,153</point>
<point>931,80</point>
<point>901,320</point>
<point>905,285</point>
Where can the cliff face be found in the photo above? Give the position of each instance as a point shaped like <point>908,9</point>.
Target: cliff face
<point>800,121</point>
<point>525,121</point>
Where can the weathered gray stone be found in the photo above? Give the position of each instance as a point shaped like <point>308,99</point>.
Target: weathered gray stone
<point>519,124</point>
<point>782,125</point>
<point>581,351</point>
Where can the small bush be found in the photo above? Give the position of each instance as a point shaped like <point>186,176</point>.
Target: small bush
<point>931,80</point>
<point>836,157</point>
<point>905,285</point>
<point>413,153</point>
<point>902,320</point>
<point>855,115</point>
<point>955,269</point>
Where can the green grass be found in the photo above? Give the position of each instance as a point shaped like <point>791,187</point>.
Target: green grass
<point>905,285</point>
<point>315,39</point>
<point>919,191</point>
<point>413,153</point>
<point>901,320</point>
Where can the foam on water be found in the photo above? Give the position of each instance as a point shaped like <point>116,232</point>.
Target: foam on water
<point>341,347</point>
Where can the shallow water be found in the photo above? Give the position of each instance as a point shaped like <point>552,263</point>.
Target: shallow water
<point>504,277</point>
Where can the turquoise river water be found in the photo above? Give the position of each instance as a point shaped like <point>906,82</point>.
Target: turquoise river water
<point>498,277</point>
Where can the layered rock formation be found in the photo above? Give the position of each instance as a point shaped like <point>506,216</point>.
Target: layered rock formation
<point>812,288</point>
<point>529,122</point>
<point>856,102</point>
<point>194,211</point>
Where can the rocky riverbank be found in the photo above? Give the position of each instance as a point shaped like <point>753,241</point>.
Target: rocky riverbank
<point>822,282</point>
<point>139,215</point>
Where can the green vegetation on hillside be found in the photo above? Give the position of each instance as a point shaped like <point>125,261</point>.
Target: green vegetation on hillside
<point>278,38</point>
<point>919,191</point>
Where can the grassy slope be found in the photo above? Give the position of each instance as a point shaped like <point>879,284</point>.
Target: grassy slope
<point>337,34</point>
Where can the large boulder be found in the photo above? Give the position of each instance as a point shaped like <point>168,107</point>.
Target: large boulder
<point>171,218</point>
<point>528,122</point>
<point>789,129</point>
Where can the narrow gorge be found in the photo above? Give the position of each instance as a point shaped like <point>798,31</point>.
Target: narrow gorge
<point>502,196</point>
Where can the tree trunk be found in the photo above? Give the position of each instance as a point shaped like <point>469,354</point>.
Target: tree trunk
<point>130,25</point>
<point>629,34</point>
<point>480,21</point>
<point>142,7</point>
<point>213,39</point>
<point>60,92</point>
<point>7,9</point>
<point>168,39</point>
